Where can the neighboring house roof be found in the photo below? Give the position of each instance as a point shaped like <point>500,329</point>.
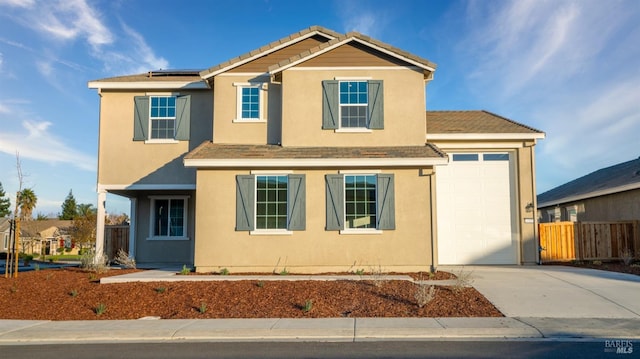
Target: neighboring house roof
<point>469,125</point>
<point>4,224</point>
<point>269,48</point>
<point>31,229</point>
<point>211,154</point>
<point>618,178</point>
<point>425,64</point>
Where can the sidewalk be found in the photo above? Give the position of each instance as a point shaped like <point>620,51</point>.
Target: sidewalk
<point>332,330</point>
<point>540,303</point>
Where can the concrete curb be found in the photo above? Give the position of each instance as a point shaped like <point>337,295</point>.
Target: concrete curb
<point>15,332</point>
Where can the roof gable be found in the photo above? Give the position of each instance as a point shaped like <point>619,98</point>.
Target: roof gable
<point>618,178</point>
<point>314,32</point>
<point>466,125</point>
<point>362,42</point>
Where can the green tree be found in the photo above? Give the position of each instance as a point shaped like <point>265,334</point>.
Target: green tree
<point>83,228</point>
<point>69,207</point>
<point>5,203</point>
<point>27,201</point>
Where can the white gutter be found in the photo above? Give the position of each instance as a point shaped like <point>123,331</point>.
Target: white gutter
<point>485,136</point>
<point>147,85</point>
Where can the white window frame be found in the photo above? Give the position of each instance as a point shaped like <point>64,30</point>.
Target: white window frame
<point>174,118</point>
<point>152,202</point>
<point>346,230</point>
<point>364,129</point>
<point>261,98</point>
<point>268,231</point>
<point>5,241</point>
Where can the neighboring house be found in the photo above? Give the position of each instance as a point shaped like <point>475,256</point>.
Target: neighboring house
<point>44,237</point>
<point>5,227</point>
<point>608,194</point>
<point>313,153</point>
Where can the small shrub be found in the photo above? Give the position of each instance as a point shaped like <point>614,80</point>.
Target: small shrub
<point>260,284</point>
<point>626,256</point>
<point>60,250</point>
<point>100,308</point>
<point>463,280</point>
<point>90,261</point>
<point>359,272</point>
<point>13,289</point>
<point>93,277</point>
<point>379,276</point>
<point>160,289</point>
<point>36,267</point>
<point>284,271</point>
<point>424,294</point>
<point>73,293</point>
<point>122,258</point>
<point>308,305</point>
<point>202,308</point>
<point>185,270</point>
<point>597,263</point>
<point>224,271</point>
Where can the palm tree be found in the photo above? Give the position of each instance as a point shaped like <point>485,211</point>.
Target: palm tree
<point>85,210</point>
<point>27,200</point>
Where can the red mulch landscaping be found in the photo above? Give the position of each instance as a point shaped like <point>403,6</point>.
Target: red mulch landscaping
<point>74,294</point>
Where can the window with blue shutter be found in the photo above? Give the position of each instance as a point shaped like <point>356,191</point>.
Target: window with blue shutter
<point>162,118</point>
<point>352,104</point>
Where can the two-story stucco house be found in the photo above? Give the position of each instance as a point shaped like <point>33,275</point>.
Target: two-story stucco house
<point>314,153</point>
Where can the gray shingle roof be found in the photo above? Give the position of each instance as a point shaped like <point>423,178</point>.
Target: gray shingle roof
<point>617,178</point>
<point>452,122</point>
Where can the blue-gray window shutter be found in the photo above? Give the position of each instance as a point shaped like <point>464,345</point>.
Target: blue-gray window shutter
<point>140,118</point>
<point>376,104</point>
<point>330,105</point>
<point>335,202</point>
<point>385,202</point>
<point>183,117</point>
<point>245,198</point>
<point>296,203</point>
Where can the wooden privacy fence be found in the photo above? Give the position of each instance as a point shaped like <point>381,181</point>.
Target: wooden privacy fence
<point>115,238</point>
<point>565,241</point>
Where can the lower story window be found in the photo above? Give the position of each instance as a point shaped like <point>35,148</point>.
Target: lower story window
<point>360,201</point>
<point>271,202</point>
<point>169,217</point>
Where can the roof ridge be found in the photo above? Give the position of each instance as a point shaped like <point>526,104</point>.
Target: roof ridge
<point>512,121</point>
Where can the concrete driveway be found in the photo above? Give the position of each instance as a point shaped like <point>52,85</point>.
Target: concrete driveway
<point>556,291</point>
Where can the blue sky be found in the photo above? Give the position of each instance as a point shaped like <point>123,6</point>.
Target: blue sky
<point>569,68</point>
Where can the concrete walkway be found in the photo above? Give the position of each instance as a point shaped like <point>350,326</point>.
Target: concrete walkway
<point>540,303</point>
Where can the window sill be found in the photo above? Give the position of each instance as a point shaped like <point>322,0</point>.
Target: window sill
<point>248,120</point>
<point>361,231</point>
<point>269,232</point>
<point>353,130</point>
<point>160,238</point>
<point>168,140</point>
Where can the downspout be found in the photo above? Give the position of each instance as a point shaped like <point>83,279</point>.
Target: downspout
<point>432,184</point>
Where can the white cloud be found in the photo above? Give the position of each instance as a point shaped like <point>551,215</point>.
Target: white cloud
<point>36,141</point>
<point>18,3</point>
<point>44,68</point>
<point>363,23</point>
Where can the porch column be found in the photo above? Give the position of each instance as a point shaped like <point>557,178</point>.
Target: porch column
<point>102,199</point>
<point>132,227</point>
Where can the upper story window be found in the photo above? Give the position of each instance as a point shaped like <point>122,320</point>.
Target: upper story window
<point>162,118</point>
<point>249,102</point>
<point>270,203</point>
<point>354,101</point>
<point>352,105</point>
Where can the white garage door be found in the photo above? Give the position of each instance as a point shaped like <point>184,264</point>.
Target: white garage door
<point>475,210</point>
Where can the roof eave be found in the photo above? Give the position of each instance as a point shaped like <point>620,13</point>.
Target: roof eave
<point>485,136</point>
<point>139,85</point>
<point>314,162</point>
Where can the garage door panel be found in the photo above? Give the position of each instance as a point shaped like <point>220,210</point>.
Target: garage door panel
<point>474,212</point>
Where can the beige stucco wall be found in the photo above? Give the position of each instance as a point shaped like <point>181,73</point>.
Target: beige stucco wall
<point>123,161</point>
<point>218,245</point>
<point>404,104</point>
<point>226,130</point>
<point>178,252</point>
